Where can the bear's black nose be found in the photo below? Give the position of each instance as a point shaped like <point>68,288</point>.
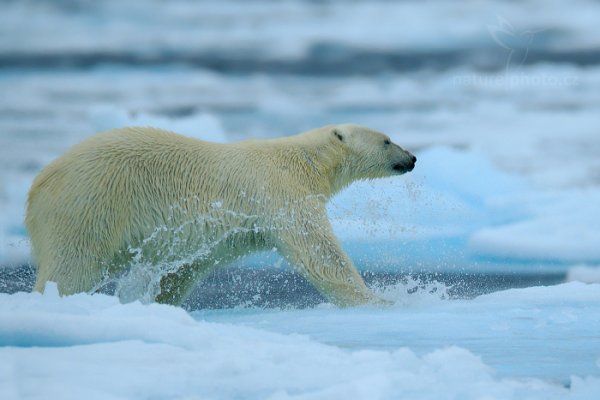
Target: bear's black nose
<point>414,159</point>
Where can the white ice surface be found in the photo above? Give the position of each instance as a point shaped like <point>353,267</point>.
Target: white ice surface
<point>584,273</point>
<point>95,348</point>
<point>199,126</point>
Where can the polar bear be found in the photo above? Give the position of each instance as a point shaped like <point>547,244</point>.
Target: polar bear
<point>188,205</point>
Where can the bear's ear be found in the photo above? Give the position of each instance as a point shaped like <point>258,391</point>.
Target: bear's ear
<point>338,135</point>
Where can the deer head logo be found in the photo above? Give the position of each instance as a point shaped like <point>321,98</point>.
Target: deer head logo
<point>516,42</point>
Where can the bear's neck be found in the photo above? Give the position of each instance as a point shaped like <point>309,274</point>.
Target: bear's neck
<point>319,163</point>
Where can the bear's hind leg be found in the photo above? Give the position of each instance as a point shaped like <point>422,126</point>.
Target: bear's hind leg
<point>175,287</point>
<point>79,275</point>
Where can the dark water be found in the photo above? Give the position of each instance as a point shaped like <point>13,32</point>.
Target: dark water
<point>322,60</point>
<point>277,288</point>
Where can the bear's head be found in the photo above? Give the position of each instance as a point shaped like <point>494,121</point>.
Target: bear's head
<point>369,154</point>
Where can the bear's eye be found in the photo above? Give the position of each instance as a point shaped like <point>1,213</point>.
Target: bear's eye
<point>386,142</point>
<point>338,135</point>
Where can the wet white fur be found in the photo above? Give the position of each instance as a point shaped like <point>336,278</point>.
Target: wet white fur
<point>205,203</point>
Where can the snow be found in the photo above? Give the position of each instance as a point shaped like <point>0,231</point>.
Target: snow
<point>511,330</point>
<point>86,346</point>
<point>199,126</point>
<point>584,273</point>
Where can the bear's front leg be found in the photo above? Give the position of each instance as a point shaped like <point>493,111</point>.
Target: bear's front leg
<point>316,253</point>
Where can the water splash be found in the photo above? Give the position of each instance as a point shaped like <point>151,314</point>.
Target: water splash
<point>413,291</point>
<point>203,240</point>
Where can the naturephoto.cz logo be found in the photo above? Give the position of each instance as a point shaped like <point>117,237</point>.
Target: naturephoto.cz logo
<point>517,43</point>
<point>516,46</point>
